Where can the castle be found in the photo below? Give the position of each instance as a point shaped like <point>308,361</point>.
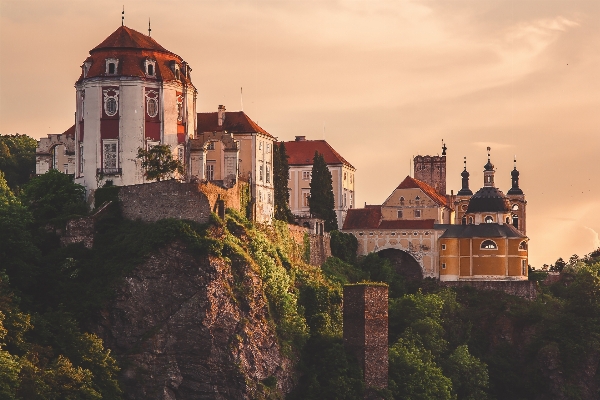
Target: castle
<point>462,237</point>
<point>133,93</point>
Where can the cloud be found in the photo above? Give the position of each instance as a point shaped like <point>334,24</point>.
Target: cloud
<point>596,238</point>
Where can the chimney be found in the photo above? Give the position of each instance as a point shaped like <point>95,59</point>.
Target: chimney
<point>300,138</point>
<point>221,115</point>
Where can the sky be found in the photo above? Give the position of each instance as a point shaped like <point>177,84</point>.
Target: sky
<point>381,81</point>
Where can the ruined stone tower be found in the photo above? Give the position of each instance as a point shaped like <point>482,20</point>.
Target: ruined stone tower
<point>432,170</point>
<point>366,330</point>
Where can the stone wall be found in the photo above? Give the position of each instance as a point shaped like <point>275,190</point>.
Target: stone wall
<point>231,196</point>
<point>525,289</point>
<point>81,230</point>
<point>366,330</point>
<point>320,245</point>
<point>154,201</point>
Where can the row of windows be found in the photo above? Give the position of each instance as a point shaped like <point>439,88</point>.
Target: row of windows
<point>260,146</point>
<point>491,245</point>
<point>112,66</point>
<point>111,106</point>
<point>394,233</point>
<point>416,214</point>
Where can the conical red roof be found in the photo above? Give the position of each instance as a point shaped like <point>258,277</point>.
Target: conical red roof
<point>127,38</point>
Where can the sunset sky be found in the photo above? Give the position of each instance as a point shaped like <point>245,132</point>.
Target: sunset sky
<point>381,81</point>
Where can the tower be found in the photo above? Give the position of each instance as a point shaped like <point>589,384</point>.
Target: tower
<point>132,93</point>
<point>517,201</point>
<point>432,170</point>
<point>461,200</point>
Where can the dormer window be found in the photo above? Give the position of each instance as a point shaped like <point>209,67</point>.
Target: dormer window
<point>176,70</point>
<point>489,219</point>
<point>112,65</point>
<point>150,66</point>
<point>86,68</point>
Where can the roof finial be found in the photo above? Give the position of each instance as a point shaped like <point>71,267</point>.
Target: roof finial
<point>489,149</point>
<point>465,163</point>
<point>515,161</point>
<point>444,148</point>
<point>149,30</point>
<point>123,16</point>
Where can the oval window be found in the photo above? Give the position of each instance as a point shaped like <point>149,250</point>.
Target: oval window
<point>152,106</point>
<point>489,219</point>
<point>110,106</point>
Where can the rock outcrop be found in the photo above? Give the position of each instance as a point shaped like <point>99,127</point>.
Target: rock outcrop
<point>189,327</point>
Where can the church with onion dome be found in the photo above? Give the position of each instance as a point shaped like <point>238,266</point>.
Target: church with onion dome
<point>451,237</point>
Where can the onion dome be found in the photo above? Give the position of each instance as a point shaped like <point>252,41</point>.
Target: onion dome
<point>489,166</point>
<point>465,191</point>
<point>488,199</point>
<point>129,53</point>
<point>515,189</point>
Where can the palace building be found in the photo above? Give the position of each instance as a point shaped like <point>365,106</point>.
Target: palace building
<point>133,93</point>
<point>462,237</point>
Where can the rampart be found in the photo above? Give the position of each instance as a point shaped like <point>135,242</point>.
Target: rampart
<point>524,289</point>
<point>154,201</point>
<point>320,244</point>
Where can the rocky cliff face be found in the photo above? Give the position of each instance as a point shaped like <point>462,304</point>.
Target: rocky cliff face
<point>180,331</point>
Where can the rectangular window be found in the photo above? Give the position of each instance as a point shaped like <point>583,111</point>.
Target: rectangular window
<point>110,156</point>
<point>443,247</point>
<point>268,147</point>
<point>81,159</point>
<point>417,213</point>
<point>443,265</point>
<point>211,146</point>
<point>306,175</point>
<point>210,172</point>
<point>399,214</point>
<point>180,153</point>
<point>305,196</point>
<point>524,267</point>
<point>66,168</point>
<point>261,172</point>
<point>268,174</point>
<point>260,145</point>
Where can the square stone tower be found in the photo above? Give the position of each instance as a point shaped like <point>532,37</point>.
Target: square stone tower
<point>366,330</point>
<point>432,171</point>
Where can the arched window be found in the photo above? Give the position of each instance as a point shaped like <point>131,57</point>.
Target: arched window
<point>470,220</point>
<point>489,219</point>
<point>401,200</point>
<point>515,207</point>
<point>515,221</point>
<point>523,245</point>
<point>464,220</point>
<point>489,245</point>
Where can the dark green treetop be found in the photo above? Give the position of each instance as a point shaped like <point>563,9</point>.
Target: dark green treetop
<point>158,162</point>
<point>281,171</point>
<point>321,200</point>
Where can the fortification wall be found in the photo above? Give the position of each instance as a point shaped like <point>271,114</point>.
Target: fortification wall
<point>154,201</point>
<point>320,245</point>
<point>524,289</point>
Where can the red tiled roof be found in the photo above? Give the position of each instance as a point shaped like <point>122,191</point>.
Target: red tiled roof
<point>132,48</point>
<point>362,218</point>
<point>70,132</point>
<point>235,122</point>
<point>412,183</point>
<point>302,152</point>
<point>127,38</point>
<point>407,224</point>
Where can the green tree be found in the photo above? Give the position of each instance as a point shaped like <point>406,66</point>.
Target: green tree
<point>281,171</point>
<point>469,375</point>
<point>321,200</point>
<point>414,375</point>
<point>17,159</point>
<point>53,198</point>
<point>17,252</point>
<point>344,246</point>
<point>158,163</point>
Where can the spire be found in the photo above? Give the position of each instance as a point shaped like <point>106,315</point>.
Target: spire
<point>465,191</point>
<point>444,148</point>
<point>488,171</point>
<point>123,16</point>
<point>149,30</point>
<point>515,180</point>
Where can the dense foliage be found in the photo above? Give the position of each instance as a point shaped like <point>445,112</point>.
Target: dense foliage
<point>17,159</point>
<point>281,172</point>
<point>321,200</point>
<point>158,162</point>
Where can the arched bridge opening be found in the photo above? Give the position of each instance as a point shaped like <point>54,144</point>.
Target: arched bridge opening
<point>404,263</point>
